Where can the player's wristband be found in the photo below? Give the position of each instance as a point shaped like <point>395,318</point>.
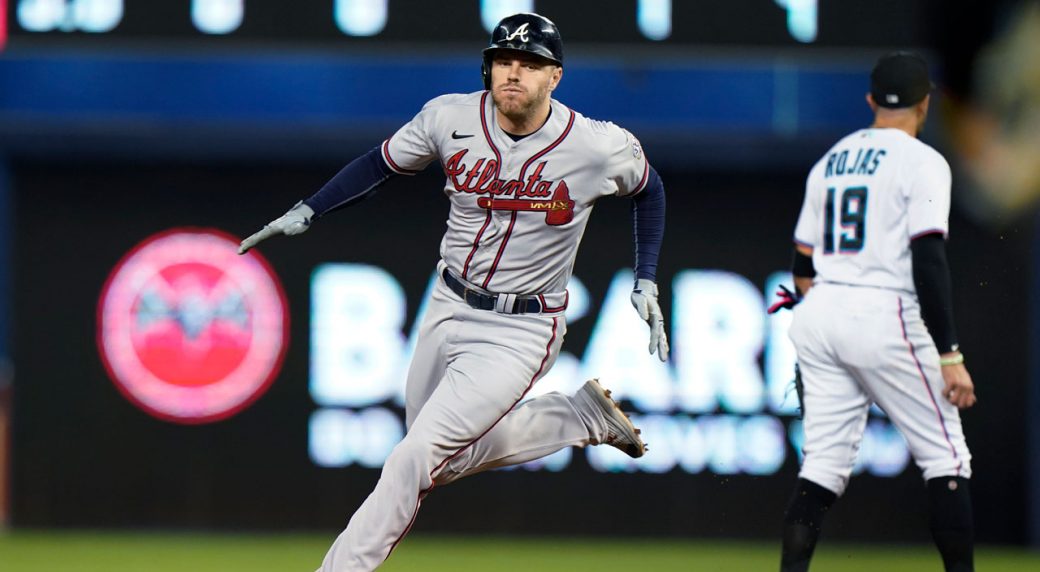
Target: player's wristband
<point>954,360</point>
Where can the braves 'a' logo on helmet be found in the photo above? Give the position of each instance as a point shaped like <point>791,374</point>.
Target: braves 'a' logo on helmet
<point>190,331</point>
<point>520,32</point>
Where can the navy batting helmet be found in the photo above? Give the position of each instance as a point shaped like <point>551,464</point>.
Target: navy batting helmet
<point>529,33</point>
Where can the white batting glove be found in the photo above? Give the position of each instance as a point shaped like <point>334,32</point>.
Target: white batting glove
<point>294,222</point>
<point>644,299</point>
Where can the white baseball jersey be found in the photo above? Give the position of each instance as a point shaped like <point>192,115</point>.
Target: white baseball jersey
<point>865,200</point>
<point>518,208</point>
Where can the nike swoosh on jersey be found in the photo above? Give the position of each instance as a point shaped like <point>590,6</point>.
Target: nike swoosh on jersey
<point>455,135</point>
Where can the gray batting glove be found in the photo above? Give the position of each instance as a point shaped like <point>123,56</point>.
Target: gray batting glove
<point>644,299</point>
<point>294,222</point>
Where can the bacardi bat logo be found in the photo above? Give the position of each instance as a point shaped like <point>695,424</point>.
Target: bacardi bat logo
<point>190,331</point>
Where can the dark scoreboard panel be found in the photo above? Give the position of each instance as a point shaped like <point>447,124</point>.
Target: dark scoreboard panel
<point>766,23</point>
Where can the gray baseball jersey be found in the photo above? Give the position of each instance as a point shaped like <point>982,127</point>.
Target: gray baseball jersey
<point>498,237</point>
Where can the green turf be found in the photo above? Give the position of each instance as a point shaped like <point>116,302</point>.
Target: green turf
<point>25,551</point>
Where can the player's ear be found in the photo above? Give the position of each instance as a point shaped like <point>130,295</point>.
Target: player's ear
<point>922,107</point>
<point>556,77</point>
<point>871,103</point>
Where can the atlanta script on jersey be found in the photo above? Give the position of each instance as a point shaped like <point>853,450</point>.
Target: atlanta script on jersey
<point>518,208</point>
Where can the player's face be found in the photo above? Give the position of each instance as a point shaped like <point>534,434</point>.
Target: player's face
<point>521,83</point>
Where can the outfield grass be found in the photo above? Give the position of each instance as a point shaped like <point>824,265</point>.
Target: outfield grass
<point>26,551</point>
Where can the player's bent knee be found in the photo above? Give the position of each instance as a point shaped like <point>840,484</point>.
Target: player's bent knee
<point>945,468</point>
<point>833,480</point>
<point>412,458</point>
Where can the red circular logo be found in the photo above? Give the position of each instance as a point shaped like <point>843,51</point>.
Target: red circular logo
<point>189,330</point>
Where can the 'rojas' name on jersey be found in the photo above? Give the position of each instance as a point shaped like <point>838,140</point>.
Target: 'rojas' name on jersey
<point>482,179</point>
<point>865,163</point>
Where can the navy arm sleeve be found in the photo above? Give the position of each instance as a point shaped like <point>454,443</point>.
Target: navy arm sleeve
<point>648,226</point>
<point>934,292</point>
<point>802,265</point>
<point>358,180</point>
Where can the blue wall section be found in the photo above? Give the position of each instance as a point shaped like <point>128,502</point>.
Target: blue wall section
<point>49,99</point>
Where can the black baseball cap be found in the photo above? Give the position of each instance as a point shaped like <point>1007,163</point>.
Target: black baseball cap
<point>900,79</point>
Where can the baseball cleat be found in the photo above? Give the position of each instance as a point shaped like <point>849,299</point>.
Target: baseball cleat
<point>621,433</point>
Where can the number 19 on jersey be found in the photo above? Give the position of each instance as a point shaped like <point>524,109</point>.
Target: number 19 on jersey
<point>852,218</point>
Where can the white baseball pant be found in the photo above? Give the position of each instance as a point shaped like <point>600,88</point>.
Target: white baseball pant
<point>470,369</point>
<point>858,345</point>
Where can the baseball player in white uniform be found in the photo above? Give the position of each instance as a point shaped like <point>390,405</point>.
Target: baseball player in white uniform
<point>876,322</point>
<point>522,174</point>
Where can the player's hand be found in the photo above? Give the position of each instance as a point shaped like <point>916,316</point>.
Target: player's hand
<point>644,299</point>
<point>958,389</point>
<point>294,222</point>
<point>787,300</point>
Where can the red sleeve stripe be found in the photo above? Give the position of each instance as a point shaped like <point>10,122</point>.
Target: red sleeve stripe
<point>927,232</point>
<point>390,162</point>
<point>642,182</point>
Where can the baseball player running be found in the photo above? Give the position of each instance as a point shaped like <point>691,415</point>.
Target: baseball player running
<point>870,260</point>
<point>523,172</point>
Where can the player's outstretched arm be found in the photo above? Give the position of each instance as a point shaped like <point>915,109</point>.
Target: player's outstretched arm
<point>648,233</point>
<point>358,180</point>
<point>294,222</point>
